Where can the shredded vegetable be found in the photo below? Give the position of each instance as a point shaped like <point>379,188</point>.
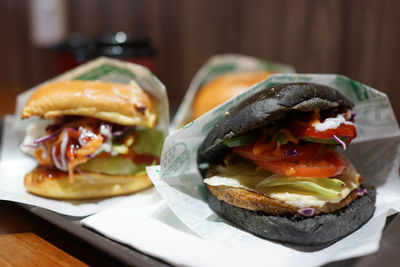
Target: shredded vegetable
<point>240,140</point>
<point>327,187</point>
<point>340,141</point>
<point>292,152</point>
<point>72,142</point>
<point>353,115</point>
<point>280,138</point>
<point>307,212</point>
<point>46,138</point>
<point>361,191</point>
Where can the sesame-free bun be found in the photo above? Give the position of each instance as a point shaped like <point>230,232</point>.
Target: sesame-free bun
<point>51,183</point>
<point>260,202</point>
<point>223,88</point>
<point>125,104</point>
<point>296,229</point>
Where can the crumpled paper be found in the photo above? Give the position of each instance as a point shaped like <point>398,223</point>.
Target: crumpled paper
<point>148,225</point>
<point>15,164</point>
<point>374,153</point>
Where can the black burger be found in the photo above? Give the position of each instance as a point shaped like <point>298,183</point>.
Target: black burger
<point>271,166</point>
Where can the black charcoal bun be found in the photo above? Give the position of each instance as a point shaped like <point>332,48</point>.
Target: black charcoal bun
<point>266,107</point>
<point>296,229</point>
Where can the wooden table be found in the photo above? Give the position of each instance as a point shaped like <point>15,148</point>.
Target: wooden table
<point>27,240</point>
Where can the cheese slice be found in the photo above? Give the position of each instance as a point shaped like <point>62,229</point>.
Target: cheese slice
<point>290,194</point>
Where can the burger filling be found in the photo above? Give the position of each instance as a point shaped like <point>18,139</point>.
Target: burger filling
<point>77,144</point>
<point>293,161</point>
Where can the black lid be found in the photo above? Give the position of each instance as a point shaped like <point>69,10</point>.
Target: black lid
<point>72,43</point>
<point>121,45</point>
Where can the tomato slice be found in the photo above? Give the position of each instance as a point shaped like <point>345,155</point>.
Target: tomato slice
<point>344,131</point>
<point>327,165</point>
<point>287,152</point>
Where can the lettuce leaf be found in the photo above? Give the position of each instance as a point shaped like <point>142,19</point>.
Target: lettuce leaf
<point>112,166</point>
<point>327,187</point>
<point>149,141</point>
<point>250,176</point>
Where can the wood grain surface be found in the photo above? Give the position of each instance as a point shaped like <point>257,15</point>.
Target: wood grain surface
<point>27,249</point>
<point>27,240</point>
<point>357,38</point>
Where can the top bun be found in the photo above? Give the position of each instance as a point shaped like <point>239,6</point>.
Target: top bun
<point>223,88</point>
<point>266,108</point>
<point>113,102</point>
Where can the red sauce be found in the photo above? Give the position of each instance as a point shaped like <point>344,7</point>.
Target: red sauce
<point>144,159</point>
<point>49,171</point>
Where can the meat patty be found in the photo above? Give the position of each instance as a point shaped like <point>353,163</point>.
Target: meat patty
<point>258,201</point>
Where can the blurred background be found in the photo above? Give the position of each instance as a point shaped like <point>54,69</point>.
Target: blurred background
<point>357,38</point>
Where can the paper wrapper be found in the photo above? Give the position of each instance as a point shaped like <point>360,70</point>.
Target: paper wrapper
<point>215,66</point>
<point>374,153</point>
<point>15,164</point>
<point>148,225</point>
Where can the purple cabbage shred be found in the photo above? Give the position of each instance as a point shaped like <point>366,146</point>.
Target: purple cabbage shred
<point>31,145</point>
<point>353,115</point>
<point>361,191</point>
<point>340,141</point>
<point>47,137</point>
<point>121,131</point>
<point>307,212</point>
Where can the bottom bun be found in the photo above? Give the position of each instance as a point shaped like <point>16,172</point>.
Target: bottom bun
<point>55,184</point>
<point>296,229</point>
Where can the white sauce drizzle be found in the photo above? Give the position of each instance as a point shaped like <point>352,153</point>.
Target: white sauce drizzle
<point>84,134</point>
<point>331,123</point>
<point>106,131</point>
<point>107,145</point>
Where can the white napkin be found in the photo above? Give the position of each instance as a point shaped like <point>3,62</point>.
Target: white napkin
<point>151,227</point>
<point>148,225</point>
